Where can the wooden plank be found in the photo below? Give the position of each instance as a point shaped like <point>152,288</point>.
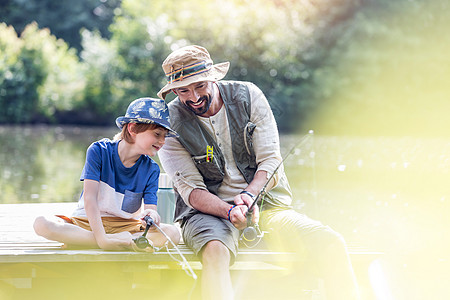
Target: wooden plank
<point>19,243</point>
<point>16,220</point>
<point>97,255</point>
<point>31,266</point>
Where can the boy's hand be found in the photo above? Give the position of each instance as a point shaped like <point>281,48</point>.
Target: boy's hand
<point>152,214</point>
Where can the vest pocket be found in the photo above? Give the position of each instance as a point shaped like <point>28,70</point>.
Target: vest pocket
<point>209,169</point>
<point>248,138</point>
<point>248,141</point>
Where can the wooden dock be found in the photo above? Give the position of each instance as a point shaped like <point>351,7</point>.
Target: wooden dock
<point>32,267</point>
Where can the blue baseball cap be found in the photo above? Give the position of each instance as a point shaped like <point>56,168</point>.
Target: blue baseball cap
<point>147,111</point>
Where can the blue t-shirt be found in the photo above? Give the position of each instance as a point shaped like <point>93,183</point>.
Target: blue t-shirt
<point>121,189</point>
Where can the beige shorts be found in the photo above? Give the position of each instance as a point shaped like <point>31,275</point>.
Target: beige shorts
<point>111,224</point>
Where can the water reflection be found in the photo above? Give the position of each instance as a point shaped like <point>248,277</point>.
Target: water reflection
<point>42,163</point>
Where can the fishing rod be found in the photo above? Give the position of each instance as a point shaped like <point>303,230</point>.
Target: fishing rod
<point>252,231</point>
<point>142,242</point>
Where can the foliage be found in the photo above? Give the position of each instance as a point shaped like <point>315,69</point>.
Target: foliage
<point>385,74</point>
<point>20,76</point>
<point>64,82</point>
<point>269,43</point>
<point>337,66</point>
<point>101,61</point>
<point>122,69</point>
<point>38,74</point>
<point>65,18</point>
<point>141,46</point>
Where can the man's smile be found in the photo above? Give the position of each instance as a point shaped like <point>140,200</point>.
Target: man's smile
<point>198,103</point>
<point>200,107</point>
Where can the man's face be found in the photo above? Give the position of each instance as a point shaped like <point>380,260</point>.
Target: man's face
<point>197,96</point>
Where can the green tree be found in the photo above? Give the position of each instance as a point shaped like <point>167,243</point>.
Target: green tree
<point>21,74</point>
<point>276,44</point>
<point>387,72</point>
<point>62,88</point>
<point>331,65</point>
<point>123,68</point>
<point>39,75</point>
<point>64,18</point>
<point>103,95</point>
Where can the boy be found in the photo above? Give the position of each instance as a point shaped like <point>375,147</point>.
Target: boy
<point>117,176</point>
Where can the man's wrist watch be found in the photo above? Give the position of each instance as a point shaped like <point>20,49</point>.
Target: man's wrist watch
<point>248,193</point>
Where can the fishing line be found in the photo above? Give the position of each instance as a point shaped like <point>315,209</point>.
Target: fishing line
<point>262,192</point>
<point>184,264</point>
<point>252,231</point>
<point>314,176</point>
<point>142,242</point>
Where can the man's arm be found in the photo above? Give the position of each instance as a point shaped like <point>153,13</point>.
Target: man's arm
<point>178,164</point>
<point>266,146</point>
<point>208,203</point>
<point>259,180</point>
<point>266,142</point>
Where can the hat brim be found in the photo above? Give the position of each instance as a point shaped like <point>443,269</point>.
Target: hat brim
<point>217,72</point>
<point>121,121</point>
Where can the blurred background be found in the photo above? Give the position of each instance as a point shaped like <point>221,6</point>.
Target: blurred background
<point>370,77</point>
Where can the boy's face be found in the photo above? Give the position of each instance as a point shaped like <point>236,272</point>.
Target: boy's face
<point>150,141</point>
<point>197,96</point>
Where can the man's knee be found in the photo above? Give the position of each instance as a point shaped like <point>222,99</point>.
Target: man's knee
<point>172,231</point>
<point>215,252</point>
<point>337,241</point>
<point>329,243</point>
<point>324,240</point>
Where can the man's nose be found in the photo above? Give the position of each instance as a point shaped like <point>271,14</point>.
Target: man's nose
<point>196,95</point>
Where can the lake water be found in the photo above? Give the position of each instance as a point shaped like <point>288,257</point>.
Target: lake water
<point>383,193</point>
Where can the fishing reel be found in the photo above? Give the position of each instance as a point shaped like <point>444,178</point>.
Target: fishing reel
<point>251,235</point>
<point>142,242</point>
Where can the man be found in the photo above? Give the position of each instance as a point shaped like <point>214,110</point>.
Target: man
<point>227,149</point>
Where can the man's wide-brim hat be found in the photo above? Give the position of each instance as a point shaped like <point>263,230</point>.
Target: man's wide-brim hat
<point>188,65</point>
<point>147,111</point>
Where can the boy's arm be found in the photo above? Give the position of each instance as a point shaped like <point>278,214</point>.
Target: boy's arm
<point>95,221</point>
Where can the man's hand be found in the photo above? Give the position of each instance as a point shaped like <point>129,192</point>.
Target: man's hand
<point>238,216</point>
<point>247,201</point>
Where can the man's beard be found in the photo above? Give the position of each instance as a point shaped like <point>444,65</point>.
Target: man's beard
<point>202,109</point>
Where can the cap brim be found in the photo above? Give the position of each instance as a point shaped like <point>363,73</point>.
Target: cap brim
<point>217,72</point>
<point>171,133</point>
<point>121,121</point>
